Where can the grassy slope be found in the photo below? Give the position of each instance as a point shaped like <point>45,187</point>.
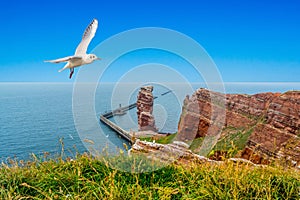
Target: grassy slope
<point>234,138</point>
<point>88,178</point>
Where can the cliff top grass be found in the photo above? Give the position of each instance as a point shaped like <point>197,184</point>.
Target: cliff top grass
<point>87,177</point>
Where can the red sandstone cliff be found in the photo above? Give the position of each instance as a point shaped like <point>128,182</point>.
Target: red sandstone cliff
<point>272,119</point>
<point>145,108</point>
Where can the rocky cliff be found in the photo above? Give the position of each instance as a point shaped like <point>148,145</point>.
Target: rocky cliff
<point>175,152</point>
<point>146,120</point>
<point>265,126</point>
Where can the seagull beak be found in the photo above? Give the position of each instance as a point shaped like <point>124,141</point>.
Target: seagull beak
<point>98,58</point>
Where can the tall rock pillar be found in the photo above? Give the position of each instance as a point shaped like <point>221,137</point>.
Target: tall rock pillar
<point>145,108</point>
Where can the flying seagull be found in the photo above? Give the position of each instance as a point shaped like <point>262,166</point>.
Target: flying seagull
<point>81,57</point>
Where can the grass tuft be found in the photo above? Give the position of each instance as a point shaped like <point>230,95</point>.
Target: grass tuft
<point>89,178</point>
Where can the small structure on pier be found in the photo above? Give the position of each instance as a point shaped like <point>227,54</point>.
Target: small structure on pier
<point>119,111</point>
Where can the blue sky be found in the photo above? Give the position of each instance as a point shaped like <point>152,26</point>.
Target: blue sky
<point>248,40</point>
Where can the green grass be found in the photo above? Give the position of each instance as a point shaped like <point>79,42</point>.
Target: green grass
<point>196,144</point>
<point>163,140</point>
<point>167,140</point>
<point>148,139</point>
<point>89,178</point>
<point>237,139</point>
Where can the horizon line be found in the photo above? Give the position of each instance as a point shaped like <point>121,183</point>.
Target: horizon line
<point>229,82</point>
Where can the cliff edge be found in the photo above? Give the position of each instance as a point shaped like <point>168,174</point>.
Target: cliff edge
<point>265,126</point>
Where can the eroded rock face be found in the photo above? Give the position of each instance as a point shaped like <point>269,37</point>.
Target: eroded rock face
<point>167,153</point>
<point>145,108</point>
<point>283,112</point>
<point>176,152</point>
<point>272,118</point>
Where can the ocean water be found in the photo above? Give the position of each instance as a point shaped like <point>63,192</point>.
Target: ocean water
<point>35,116</point>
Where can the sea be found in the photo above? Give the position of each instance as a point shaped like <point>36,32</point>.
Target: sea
<point>54,119</point>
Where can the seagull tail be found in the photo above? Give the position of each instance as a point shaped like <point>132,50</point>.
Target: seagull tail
<point>65,67</point>
<point>62,69</point>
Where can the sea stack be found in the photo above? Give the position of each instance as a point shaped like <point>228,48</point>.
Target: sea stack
<point>145,99</point>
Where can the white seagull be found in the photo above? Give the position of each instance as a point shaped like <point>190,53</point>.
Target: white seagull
<point>81,57</point>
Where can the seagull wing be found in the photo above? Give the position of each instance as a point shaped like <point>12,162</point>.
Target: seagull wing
<point>65,59</point>
<point>87,37</point>
<point>59,60</point>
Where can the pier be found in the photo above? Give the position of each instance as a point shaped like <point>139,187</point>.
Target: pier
<point>123,109</point>
<point>118,110</point>
<point>129,136</point>
<point>125,134</point>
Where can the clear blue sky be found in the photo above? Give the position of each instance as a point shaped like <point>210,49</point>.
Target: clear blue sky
<point>250,40</point>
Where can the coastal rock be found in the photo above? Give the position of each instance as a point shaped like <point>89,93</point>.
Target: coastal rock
<point>145,108</point>
<point>272,119</point>
<point>284,112</point>
<point>176,152</point>
<point>167,153</point>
